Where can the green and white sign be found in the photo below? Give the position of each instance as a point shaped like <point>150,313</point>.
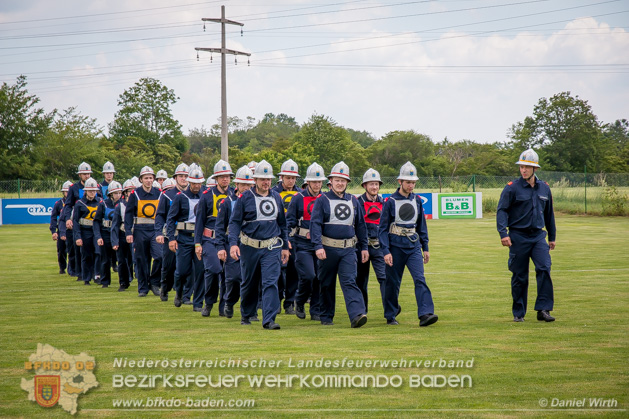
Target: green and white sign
<point>459,205</point>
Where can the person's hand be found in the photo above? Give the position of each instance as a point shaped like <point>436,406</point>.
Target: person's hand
<point>63,238</point>
<point>172,245</point>
<point>290,246</point>
<point>426,257</point>
<point>69,224</point>
<point>365,255</point>
<point>55,236</point>
<point>551,245</point>
<point>79,242</point>
<point>234,252</point>
<point>506,241</point>
<point>115,247</point>
<point>388,259</point>
<point>321,254</point>
<point>222,255</point>
<point>129,239</point>
<point>160,239</point>
<point>285,256</point>
<point>198,251</point>
<point>100,242</point>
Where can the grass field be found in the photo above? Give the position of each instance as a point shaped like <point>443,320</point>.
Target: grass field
<point>583,355</point>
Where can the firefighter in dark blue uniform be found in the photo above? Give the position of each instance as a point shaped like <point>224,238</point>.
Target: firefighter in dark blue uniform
<point>259,221</point>
<point>139,224</point>
<point>525,208</point>
<point>170,188</point>
<point>180,231</point>
<point>298,223</point>
<point>58,231</point>
<point>83,220</point>
<point>108,177</point>
<point>119,243</point>
<point>205,237</point>
<point>233,277</point>
<point>336,226</point>
<point>102,231</point>
<point>372,204</point>
<point>403,238</point>
<point>74,194</point>
<point>289,278</point>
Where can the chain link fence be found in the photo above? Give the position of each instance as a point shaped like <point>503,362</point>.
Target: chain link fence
<point>573,193</point>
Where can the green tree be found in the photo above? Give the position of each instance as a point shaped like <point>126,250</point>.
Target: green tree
<point>145,112</point>
<point>22,124</point>
<point>364,138</point>
<point>389,153</point>
<point>330,144</point>
<point>616,135</point>
<point>566,132</point>
<point>72,138</point>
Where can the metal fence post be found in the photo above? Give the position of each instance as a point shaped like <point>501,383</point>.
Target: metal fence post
<point>585,184</point>
<point>18,188</point>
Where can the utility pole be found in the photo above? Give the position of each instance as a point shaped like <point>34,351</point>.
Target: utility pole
<point>223,51</point>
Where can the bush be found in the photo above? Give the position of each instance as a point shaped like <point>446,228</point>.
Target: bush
<point>490,205</point>
<point>614,203</point>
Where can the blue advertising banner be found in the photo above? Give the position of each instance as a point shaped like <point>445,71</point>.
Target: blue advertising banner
<point>27,211</point>
<point>427,201</point>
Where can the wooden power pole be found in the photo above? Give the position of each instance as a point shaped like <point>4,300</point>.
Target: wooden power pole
<point>223,51</point>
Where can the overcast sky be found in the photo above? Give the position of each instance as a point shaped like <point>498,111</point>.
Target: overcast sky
<point>462,69</point>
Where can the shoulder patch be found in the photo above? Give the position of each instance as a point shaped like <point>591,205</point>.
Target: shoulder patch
<point>179,193</point>
<point>510,183</point>
<point>205,191</point>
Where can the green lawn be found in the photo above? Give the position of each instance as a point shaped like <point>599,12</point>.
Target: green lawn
<point>584,354</point>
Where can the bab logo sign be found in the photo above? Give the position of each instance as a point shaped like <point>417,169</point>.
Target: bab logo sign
<point>27,211</point>
<point>459,205</point>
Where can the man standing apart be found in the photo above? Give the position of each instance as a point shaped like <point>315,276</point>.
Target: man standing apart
<point>525,207</point>
<point>336,226</point>
<point>403,237</point>
<point>259,221</point>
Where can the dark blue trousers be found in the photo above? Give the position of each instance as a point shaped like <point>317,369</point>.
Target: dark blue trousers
<point>233,279</point>
<point>188,264</point>
<point>289,280</point>
<point>106,253</point>
<point>125,262</point>
<point>341,262</point>
<point>169,263</point>
<point>87,253</point>
<point>206,289</point>
<point>146,248</point>
<point>73,270</point>
<point>259,267</point>
<point>62,254</point>
<point>413,259</point>
<point>524,247</point>
<point>223,288</point>
<point>306,263</point>
<point>376,259</point>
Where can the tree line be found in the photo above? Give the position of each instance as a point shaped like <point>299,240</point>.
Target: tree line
<point>35,144</point>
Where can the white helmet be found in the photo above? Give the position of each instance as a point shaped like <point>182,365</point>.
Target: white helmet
<point>128,184</point>
<point>252,165</point>
<point>289,168</point>
<point>157,185</point>
<point>84,168</point>
<point>315,173</point>
<point>244,175</point>
<point>408,172</point>
<point>168,183</point>
<point>91,185</point>
<point>371,175</point>
<point>341,170</point>
<point>161,174</point>
<point>146,171</point>
<point>264,170</point>
<point>136,181</point>
<point>114,187</point>
<point>211,182</point>
<point>182,169</point>
<point>529,158</point>
<point>108,167</point>
<point>66,186</point>
<point>196,176</point>
<point>222,168</point>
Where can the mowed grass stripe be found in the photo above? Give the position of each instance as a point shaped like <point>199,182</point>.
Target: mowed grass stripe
<point>583,354</point>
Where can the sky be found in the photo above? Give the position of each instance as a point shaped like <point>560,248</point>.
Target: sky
<point>461,69</point>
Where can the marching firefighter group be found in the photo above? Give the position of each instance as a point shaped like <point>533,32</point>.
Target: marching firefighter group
<point>261,243</point>
<point>255,242</point>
